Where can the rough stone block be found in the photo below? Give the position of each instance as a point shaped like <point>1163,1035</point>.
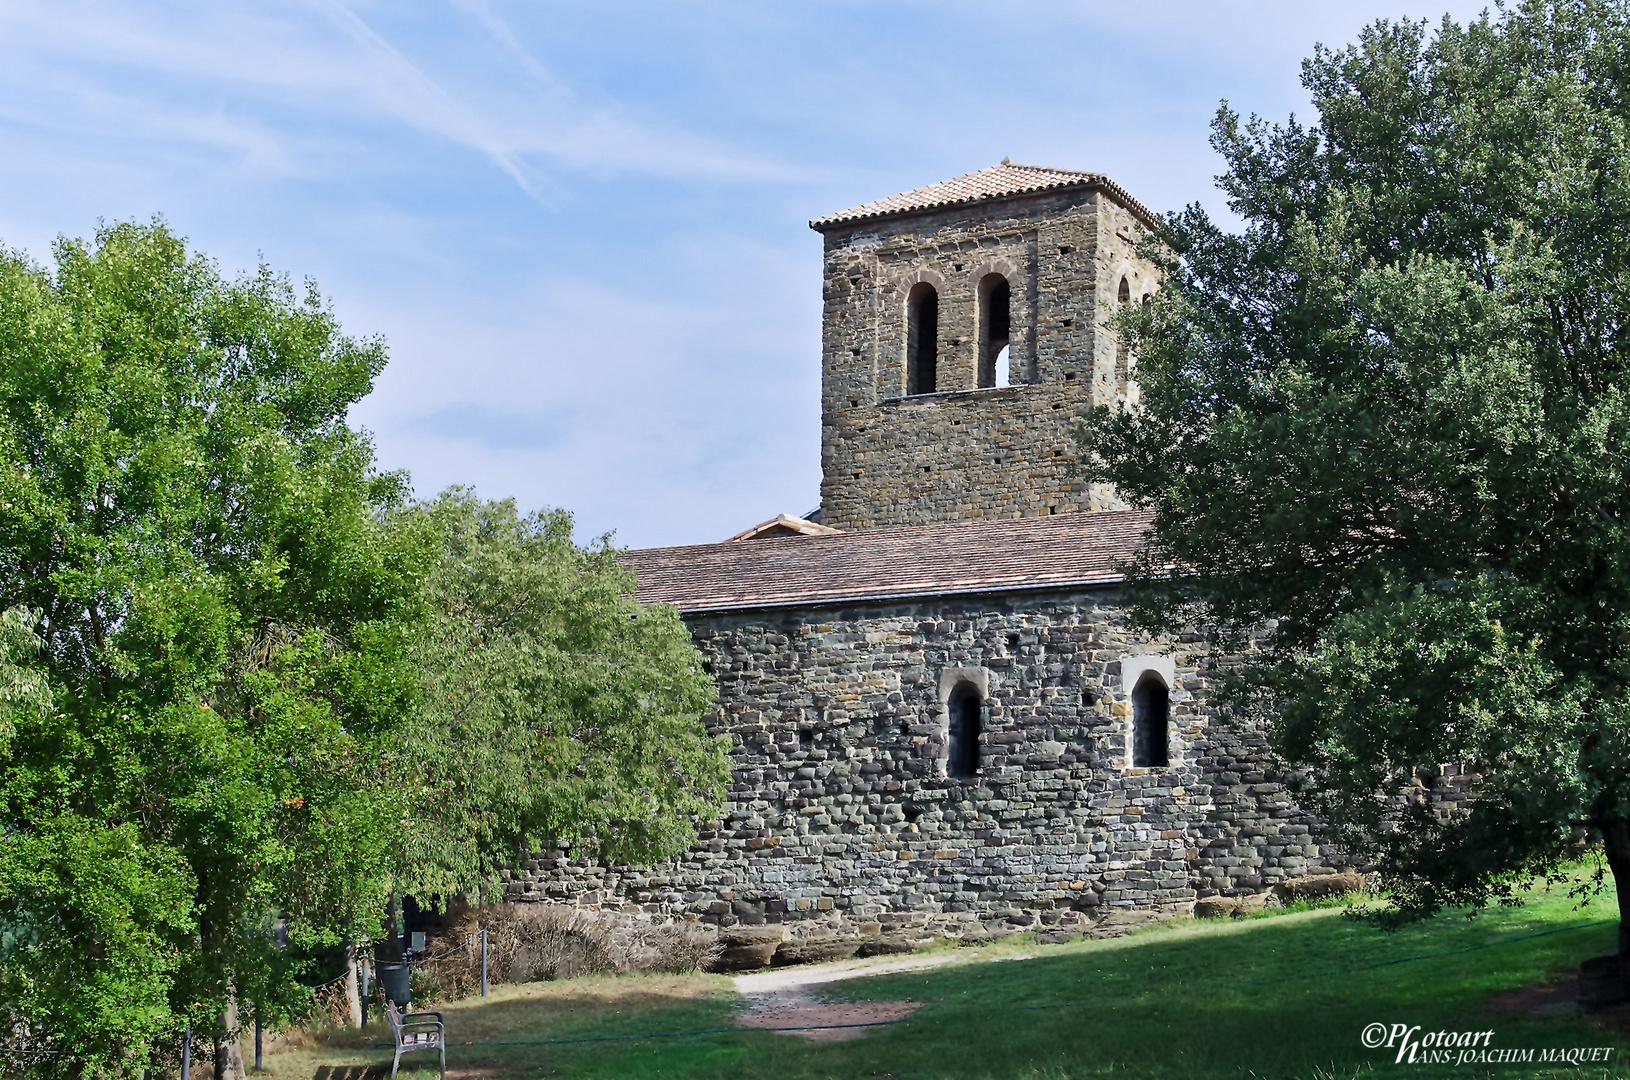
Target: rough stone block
<point>748,947</point>
<point>890,944</point>
<point>815,951</point>
<point>1215,907</point>
<point>1319,887</point>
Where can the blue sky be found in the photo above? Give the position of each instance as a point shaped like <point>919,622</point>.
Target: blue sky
<point>582,227</point>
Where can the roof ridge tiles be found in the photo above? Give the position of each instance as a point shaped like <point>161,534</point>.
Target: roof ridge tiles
<point>1004,180</point>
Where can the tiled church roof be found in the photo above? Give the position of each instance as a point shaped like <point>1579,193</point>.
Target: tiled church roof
<point>915,560</point>
<point>998,181</point>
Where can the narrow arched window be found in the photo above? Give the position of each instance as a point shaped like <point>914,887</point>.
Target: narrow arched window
<point>922,338</point>
<point>965,705</point>
<point>1151,712</point>
<point>995,326</point>
<point>1122,374</point>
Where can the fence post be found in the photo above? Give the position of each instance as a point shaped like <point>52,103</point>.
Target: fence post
<point>260,1061</point>
<point>186,1053</point>
<point>483,963</point>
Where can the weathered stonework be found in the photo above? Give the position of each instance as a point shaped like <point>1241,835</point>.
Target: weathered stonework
<point>842,822</point>
<point>840,663</point>
<point>963,452</point>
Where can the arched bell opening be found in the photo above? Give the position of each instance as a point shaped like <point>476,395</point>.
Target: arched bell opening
<point>922,339</point>
<point>995,330</point>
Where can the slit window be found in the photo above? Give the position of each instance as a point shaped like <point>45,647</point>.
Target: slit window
<point>995,328</point>
<point>1151,713</point>
<point>922,338</point>
<point>1122,375</point>
<point>965,727</point>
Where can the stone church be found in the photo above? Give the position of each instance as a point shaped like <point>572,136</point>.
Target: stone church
<point>940,721</point>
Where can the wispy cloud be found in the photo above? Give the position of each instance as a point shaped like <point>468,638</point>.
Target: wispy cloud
<point>202,72</point>
<point>417,97</point>
<point>645,350</point>
<point>501,33</point>
<point>603,136</point>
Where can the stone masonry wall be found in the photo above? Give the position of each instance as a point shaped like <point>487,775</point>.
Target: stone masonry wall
<point>962,452</point>
<point>841,819</point>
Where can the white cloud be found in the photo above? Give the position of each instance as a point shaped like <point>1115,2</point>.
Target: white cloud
<point>668,414</point>
<point>113,69</point>
<point>644,348</point>
<point>398,85</point>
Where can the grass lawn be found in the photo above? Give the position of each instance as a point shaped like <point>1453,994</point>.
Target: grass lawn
<point>1280,997</point>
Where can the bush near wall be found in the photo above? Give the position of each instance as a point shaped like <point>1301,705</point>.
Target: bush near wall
<point>535,942</point>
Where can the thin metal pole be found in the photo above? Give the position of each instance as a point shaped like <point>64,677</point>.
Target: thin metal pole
<point>186,1053</point>
<point>483,963</point>
<point>367,969</point>
<point>260,1061</point>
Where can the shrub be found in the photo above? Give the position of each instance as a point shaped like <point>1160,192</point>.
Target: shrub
<point>678,948</point>
<point>532,942</point>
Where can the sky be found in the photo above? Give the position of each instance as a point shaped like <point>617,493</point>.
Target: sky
<point>582,228</point>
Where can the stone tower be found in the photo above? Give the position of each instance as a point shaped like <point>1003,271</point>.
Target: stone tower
<point>963,336</point>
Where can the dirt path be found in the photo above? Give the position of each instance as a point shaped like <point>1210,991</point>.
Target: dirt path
<point>784,997</point>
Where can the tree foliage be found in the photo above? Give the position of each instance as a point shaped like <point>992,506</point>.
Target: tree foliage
<point>1384,432</point>
<point>206,646</point>
<point>244,682</point>
<point>555,706</point>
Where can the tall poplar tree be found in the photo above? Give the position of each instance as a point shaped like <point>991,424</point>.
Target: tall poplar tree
<point>1385,431</point>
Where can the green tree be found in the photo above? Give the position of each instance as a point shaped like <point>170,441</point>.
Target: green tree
<point>555,705</point>
<point>1384,433</point>
<point>218,646</point>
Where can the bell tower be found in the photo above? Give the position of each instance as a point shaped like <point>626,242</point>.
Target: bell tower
<point>963,335</point>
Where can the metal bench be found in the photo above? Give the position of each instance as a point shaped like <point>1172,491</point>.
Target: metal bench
<point>410,1034</point>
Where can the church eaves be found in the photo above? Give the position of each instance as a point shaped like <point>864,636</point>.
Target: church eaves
<point>997,182</point>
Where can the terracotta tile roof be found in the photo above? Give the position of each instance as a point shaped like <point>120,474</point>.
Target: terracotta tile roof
<point>914,560</point>
<point>998,181</point>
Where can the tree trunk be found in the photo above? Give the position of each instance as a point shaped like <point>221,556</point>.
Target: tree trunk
<point>353,996</point>
<point>228,1043</point>
<point>1616,844</point>
<point>389,951</point>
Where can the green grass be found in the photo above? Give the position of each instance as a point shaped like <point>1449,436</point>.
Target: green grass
<point>1280,997</point>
